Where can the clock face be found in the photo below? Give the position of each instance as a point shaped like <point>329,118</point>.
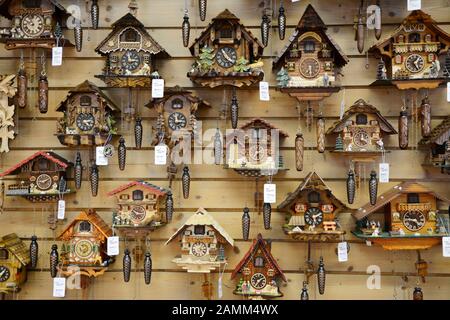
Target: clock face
<point>361,138</point>
<point>226,57</point>
<point>258,281</point>
<point>313,216</point>
<point>4,273</point>
<point>32,25</point>
<point>137,214</point>
<point>131,60</point>
<point>257,152</point>
<point>413,220</point>
<point>414,63</point>
<point>177,121</point>
<point>309,68</point>
<point>85,121</point>
<point>199,249</point>
<point>84,249</point>
<point>44,181</point>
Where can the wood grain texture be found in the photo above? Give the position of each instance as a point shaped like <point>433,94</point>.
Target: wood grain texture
<point>224,192</point>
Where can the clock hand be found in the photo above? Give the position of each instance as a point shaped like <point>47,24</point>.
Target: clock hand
<point>227,56</point>
<point>2,273</point>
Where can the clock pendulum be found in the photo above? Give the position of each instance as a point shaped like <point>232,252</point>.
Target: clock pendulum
<point>359,28</point>
<point>122,153</point>
<point>281,21</point>
<point>78,168</point>
<point>234,110</point>
<point>351,186</point>
<point>186,182</point>
<point>94,179</point>
<point>425,119</point>
<point>126,267</point>
<point>373,187</point>
<point>265,28</point>
<point>169,206</point>
<point>321,275</point>
<point>34,252</point>
<point>95,12</point>
<point>403,129</point>
<point>43,88</point>
<point>138,130</point>
<point>267,214</point>
<point>202,9</point>
<point>320,127</point>
<point>218,148</point>
<point>148,268</point>
<point>304,294</point>
<point>54,260</point>
<point>299,151</point>
<point>78,35</point>
<point>22,84</point>
<point>245,224</point>
<point>185,28</point>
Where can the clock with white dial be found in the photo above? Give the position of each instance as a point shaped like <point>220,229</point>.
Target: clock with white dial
<point>32,25</point>
<point>199,249</point>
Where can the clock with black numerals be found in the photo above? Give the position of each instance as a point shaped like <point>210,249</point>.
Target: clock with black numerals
<point>177,121</point>
<point>32,25</point>
<point>130,60</point>
<point>258,281</point>
<point>226,57</point>
<point>85,121</point>
<point>199,249</point>
<point>4,274</point>
<point>313,216</point>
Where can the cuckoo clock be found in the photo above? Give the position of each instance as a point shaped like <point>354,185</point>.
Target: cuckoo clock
<point>309,65</point>
<point>41,177</point>
<point>406,217</point>
<point>227,54</point>
<point>34,24</point>
<point>14,258</point>
<point>253,149</point>
<point>311,211</point>
<point>410,54</point>
<point>130,54</point>
<point>85,246</point>
<point>176,116</point>
<point>360,132</point>
<point>88,117</point>
<point>258,272</point>
<point>202,241</point>
<point>7,109</point>
<point>438,144</point>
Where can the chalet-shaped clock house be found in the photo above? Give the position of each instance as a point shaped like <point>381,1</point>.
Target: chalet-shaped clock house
<point>438,144</point>
<point>41,177</point>
<point>311,211</point>
<point>258,272</point>
<point>406,217</point>
<point>202,243</point>
<point>88,117</point>
<point>410,54</point>
<point>14,258</point>
<point>227,54</point>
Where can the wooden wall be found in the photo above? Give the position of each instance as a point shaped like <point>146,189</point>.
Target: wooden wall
<point>223,192</point>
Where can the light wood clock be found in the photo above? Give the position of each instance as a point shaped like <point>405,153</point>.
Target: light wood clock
<point>14,259</point>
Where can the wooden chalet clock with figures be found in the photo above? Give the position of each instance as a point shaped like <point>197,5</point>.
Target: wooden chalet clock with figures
<point>138,206</point>
<point>14,258</point>
<point>85,245</point>
<point>438,144</point>
<point>406,217</point>
<point>309,65</point>
<point>130,54</point>
<point>202,243</point>
<point>253,149</point>
<point>88,117</point>
<point>258,272</point>
<point>361,131</point>
<point>34,24</point>
<point>227,54</point>
<point>176,115</point>
<point>312,211</point>
<point>41,177</point>
<point>409,56</point>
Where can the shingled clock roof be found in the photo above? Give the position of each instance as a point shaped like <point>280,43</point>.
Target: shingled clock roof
<point>440,134</point>
<point>160,191</point>
<point>258,243</point>
<point>311,21</point>
<point>361,106</point>
<point>92,217</point>
<point>15,246</point>
<point>177,90</point>
<point>4,6</point>
<point>50,155</point>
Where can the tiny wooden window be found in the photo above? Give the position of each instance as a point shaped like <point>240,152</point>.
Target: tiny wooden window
<point>361,119</point>
<point>259,262</point>
<point>130,35</point>
<point>85,101</point>
<point>314,197</point>
<point>4,254</point>
<point>226,32</point>
<point>199,230</point>
<point>309,46</point>
<point>85,226</point>
<point>177,104</point>
<point>41,165</point>
<point>138,195</point>
<point>32,3</point>
<point>414,37</point>
<point>428,38</point>
<point>413,198</point>
<point>401,38</point>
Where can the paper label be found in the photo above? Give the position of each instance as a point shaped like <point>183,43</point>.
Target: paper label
<point>219,288</point>
<point>100,158</point>
<point>113,246</point>
<point>61,209</point>
<point>161,154</point>
<point>342,252</point>
<point>157,88</point>
<point>414,5</point>
<point>57,54</point>
<point>446,247</point>
<point>448,91</point>
<point>373,17</point>
<point>384,172</point>
<point>270,193</point>
<point>368,243</point>
<point>59,287</point>
<point>264,91</point>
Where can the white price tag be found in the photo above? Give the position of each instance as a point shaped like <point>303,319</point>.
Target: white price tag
<point>264,91</point>
<point>113,246</point>
<point>219,288</point>
<point>57,54</point>
<point>446,247</point>
<point>368,243</point>
<point>414,5</point>
<point>100,158</point>
<point>157,88</point>
<point>448,91</point>
<point>342,252</point>
<point>270,193</point>
<point>59,287</point>
<point>61,209</point>
<point>161,154</point>
<point>384,172</point>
